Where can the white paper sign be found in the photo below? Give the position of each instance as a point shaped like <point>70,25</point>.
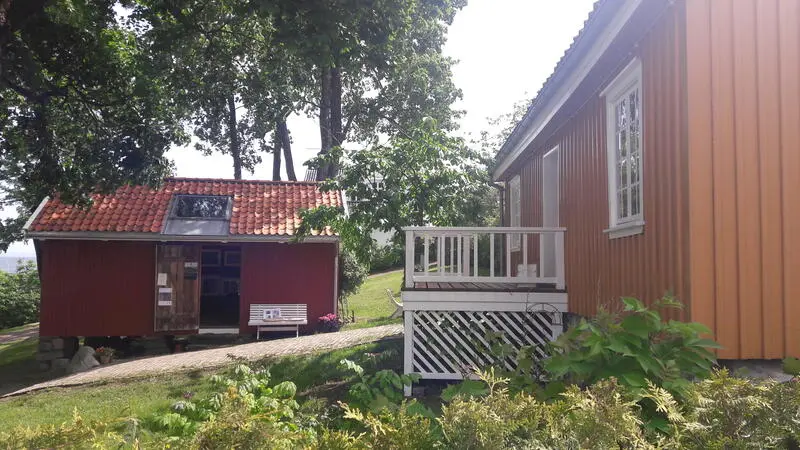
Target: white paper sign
<point>190,265</point>
<point>162,279</point>
<point>273,313</point>
<point>164,296</point>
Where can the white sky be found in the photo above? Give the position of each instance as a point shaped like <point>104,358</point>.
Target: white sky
<point>506,49</point>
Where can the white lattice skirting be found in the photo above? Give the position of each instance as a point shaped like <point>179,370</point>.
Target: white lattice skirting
<point>449,344</point>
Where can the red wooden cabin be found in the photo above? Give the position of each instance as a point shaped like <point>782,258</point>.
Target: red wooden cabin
<point>188,257</point>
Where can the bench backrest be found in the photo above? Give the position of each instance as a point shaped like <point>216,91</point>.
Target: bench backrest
<point>288,310</point>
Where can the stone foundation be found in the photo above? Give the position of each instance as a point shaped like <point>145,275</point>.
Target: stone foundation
<point>55,352</point>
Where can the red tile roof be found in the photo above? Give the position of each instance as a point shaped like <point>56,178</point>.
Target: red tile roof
<point>269,208</point>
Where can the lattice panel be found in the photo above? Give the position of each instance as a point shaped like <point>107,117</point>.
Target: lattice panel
<point>457,342</point>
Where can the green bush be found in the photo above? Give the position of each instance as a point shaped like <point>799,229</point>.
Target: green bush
<point>636,348</point>
<point>387,257</point>
<point>19,296</point>
<point>722,412</point>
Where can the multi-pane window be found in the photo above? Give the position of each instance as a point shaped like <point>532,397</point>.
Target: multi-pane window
<point>624,129</point>
<point>515,206</point>
<point>201,207</point>
<point>628,156</point>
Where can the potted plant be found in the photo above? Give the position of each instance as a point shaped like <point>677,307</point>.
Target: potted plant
<point>105,354</point>
<point>329,323</point>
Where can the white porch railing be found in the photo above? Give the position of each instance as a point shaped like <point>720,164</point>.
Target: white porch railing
<point>520,255</point>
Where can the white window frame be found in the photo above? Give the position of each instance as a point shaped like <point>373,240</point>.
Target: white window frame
<point>515,210</point>
<point>627,81</point>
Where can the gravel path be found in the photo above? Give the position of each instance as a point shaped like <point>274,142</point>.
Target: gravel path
<point>19,335</point>
<point>217,357</point>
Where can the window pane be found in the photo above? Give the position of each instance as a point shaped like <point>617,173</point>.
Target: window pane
<point>635,168</point>
<point>201,206</point>
<point>622,204</point>
<point>622,169</point>
<point>636,207</point>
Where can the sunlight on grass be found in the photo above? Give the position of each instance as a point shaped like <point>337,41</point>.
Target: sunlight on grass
<point>18,351</point>
<point>371,302</point>
<point>144,397</point>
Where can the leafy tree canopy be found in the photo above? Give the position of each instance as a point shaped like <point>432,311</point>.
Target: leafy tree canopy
<point>423,177</point>
<point>80,107</point>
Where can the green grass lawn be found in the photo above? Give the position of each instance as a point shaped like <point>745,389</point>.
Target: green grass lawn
<point>317,375</point>
<point>370,304</point>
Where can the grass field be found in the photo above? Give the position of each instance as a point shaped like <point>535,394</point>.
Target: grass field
<point>370,304</point>
<point>317,375</point>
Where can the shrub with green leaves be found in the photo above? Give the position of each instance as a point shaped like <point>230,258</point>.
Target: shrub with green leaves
<point>377,391</point>
<point>248,389</point>
<point>634,347</point>
<point>19,296</point>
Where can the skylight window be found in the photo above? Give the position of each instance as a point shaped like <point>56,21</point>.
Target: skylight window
<point>206,207</point>
<point>199,215</point>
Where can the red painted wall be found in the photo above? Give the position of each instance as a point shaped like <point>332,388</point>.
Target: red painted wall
<point>95,288</point>
<point>288,273</point>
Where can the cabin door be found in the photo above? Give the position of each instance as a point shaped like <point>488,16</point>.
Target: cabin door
<point>550,211</point>
<point>177,288</point>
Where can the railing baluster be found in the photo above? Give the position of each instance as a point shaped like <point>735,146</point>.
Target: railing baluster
<point>525,254</point>
<point>440,254</point>
<point>491,255</point>
<point>410,259</point>
<point>475,256</point>
<point>460,267</point>
<point>508,254</point>
<point>427,242</point>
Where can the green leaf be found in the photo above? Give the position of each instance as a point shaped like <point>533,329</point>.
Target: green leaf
<point>637,325</point>
<point>634,379</point>
<point>632,304</point>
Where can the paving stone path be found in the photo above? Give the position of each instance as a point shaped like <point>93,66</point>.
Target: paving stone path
<point>217,357</point>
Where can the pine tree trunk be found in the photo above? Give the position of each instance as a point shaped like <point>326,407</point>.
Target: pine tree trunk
<point>233,134</point>
<point>286,144</point>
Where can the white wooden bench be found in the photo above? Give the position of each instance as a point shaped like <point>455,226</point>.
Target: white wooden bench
<point>278,317</point>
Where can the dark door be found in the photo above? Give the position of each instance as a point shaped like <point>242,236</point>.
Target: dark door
<point>177,288</point>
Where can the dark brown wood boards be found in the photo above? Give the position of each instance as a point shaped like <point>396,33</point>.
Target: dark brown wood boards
<point>178,298</point>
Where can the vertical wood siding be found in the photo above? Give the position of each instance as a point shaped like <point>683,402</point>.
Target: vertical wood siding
<point>95,288</point>
<point>599,270</point>
<point>743,60</point>
<point>287,273</point>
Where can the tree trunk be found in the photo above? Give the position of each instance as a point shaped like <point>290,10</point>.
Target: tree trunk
<point>337,136</point>
<point>276,157</point>
<point>234,138</point>
<point>286,144</point>
<point>326,138</point>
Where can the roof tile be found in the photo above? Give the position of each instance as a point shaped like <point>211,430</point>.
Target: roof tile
<point>259,207</point>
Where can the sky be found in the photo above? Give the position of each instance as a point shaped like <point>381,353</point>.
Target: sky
<point>505,50</point>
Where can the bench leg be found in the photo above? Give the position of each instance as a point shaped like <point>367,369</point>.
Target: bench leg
<point>297,331</point>
<point>258,333</point>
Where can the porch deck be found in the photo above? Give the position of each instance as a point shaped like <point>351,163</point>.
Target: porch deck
<point>483,286</point>
<point>463,285</point>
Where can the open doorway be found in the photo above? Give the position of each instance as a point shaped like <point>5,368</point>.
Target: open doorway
<point>220,267</point>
